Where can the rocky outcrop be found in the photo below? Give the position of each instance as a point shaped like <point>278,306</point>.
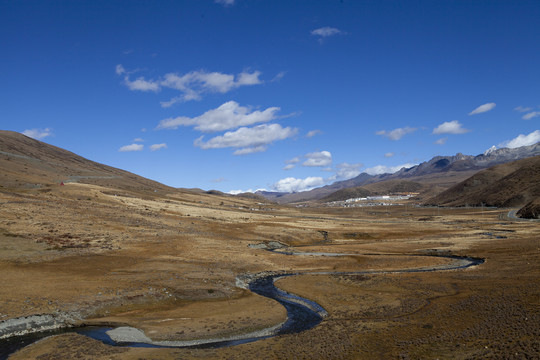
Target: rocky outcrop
<point>34,323</point>
<point>530,211</point>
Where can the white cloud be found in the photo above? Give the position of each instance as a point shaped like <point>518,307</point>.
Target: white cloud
<point>141,85</point>
<point>326,31</point>
<point>312,133</point>
<point>37,133</point>
<point>396,134</point>
<point>291,163</point>
<point>250,150</point>
<point>132,147</point>
<point>248,139</point>
<point>318,159</point>
<point>138,140</point>
<point>156,147</point>
<point>531,115</point>
<point>228,116</point>
<point>225,2</point>
<point>246,78</point>
<point>294,160</point>
<point>347,171</point>
<point>289,167</point>
<point>483,108</point>
<point>191,85</point>
<point>441,141</point>
<point>120,69</point>
<point>522,109</point>
<point>236,192</point>
<point>278,77</point>
<point>522,140</point>
<point>389,155</point>
<point>291,184</point>
<point>450,127</point>
<point>382,169</point>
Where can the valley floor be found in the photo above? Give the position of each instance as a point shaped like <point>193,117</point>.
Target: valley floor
<point>168,265</point>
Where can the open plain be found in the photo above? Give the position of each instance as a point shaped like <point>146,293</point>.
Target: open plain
<point>167,264</point>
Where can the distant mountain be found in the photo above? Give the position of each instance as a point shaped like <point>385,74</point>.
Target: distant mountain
<point>461,162</point>
<point>513,184</point>
<point>437,174</point>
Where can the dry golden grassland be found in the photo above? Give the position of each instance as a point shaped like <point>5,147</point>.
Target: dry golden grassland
<point>168,265</point>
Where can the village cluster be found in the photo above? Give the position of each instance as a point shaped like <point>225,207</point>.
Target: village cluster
<point>382,200</point>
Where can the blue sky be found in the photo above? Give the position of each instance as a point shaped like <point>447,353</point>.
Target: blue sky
<point>270,94</point>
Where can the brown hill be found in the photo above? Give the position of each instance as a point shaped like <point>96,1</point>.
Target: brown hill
<point>395,187</point>
<point>508,185</point>
<point>27,163</point>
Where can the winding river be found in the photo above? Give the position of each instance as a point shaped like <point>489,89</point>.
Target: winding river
<point>302,314</point>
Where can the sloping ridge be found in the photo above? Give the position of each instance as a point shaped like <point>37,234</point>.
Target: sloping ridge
<point>512,184</point>
<point>29,163</point>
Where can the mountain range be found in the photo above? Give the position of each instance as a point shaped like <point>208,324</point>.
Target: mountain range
<point>428,178</point>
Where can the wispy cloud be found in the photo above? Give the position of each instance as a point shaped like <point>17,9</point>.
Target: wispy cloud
<point>522,140</point>
<point>383,169</point>
<point>289,167</point>
<point>131,147</point>
<point>291,163</point>
<point>396,134</point>
<point>531,115</point>
<point>522,109</point>
<point>318,159</point>
<point>140,84</point>
<point>326,31</point>
<point>120,69</point>
<point>292,184</point>
<point>346,171</point>
<point>278,77</point>
<point>225,2</point>
<point>312,133</point>
<point>191,85</point>
<point>450,127</point>
<point>483,108</point>
<point>250,150</point>
<point>389,155</point>
<point>228,116</point>
<point>294,160</point>
<point>156,147</point>
<point>441,141</point>
<point>38,133</point>
<point>248,140</point>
